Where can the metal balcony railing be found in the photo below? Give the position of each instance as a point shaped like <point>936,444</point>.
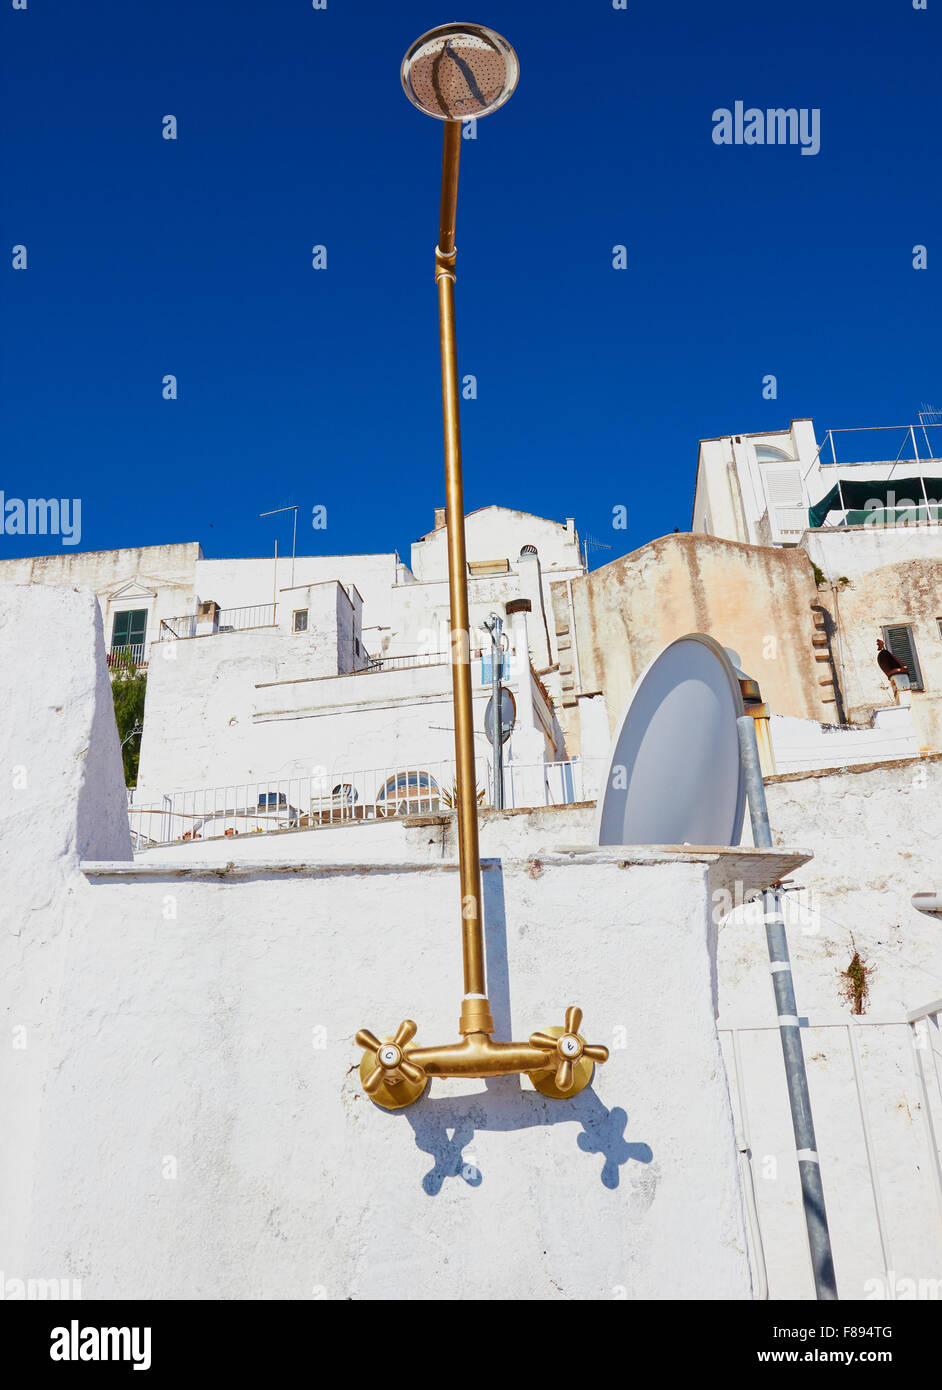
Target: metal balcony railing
<point>230,620</point>
<point>402,663</point>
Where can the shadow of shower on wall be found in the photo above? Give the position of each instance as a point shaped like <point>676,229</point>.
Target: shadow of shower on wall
<point>444,1126</point>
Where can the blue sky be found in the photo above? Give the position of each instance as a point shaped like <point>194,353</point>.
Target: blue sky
<point>192,257</point>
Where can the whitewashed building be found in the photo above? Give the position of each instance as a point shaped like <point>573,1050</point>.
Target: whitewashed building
<point>283,693</point>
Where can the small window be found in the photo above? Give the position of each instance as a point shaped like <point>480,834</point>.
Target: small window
<point>299,620</point>
<point>939,621</point>
<point>899,640</point>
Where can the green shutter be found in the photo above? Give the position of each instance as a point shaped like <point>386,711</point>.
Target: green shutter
<point>129,628</point>
<point>900,642</point>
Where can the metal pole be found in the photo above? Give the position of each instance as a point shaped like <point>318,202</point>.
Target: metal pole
<point>934,1165</point>
<point>745,1151</point>
<point>495,627</point>
<point>809,1167</point>
<point>871,1160</point>
<point>475,1014</point>
<point>294,538</point>
<point>922,426</point>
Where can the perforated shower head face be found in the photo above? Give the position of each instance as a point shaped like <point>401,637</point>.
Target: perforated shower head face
<point>459,70</point>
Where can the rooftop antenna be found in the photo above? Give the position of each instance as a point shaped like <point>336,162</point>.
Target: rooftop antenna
<point>925,413</point>
<point>684,759</point>
<point>294,537</point>
<point>588,540</point>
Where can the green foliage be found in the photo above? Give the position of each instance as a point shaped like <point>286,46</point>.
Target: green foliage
<point>819,578</point>
<point>128,689</point>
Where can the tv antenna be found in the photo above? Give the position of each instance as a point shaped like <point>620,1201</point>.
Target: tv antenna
<point>294,537</point>
<point>930,417</point>
<point>588,540</point>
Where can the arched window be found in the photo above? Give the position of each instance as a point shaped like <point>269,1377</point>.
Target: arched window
<point>529,550</point>
<point>767,453</point>
<point>408,794</point>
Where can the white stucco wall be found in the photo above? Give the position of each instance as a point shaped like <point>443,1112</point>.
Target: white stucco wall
<point>218,1047</point>
<point>185,1098</point>
<point>500,533</point>
<point>802,745</point>
<point>875,833</point>
<point>202,697</point>
<point>268,704</point>
<point>60,767</point>
<point>858,550</point>
<point>238,583</point>
<point>182,1077</point>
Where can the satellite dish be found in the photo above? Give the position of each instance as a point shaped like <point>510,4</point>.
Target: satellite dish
<point>675,775</point>
<point>508,713</point>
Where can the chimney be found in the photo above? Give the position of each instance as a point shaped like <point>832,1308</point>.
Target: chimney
<point>439,518</point>
<point>207,618</point>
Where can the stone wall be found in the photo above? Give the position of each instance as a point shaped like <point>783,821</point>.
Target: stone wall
<point>754,599</point>
<point>894,577</point>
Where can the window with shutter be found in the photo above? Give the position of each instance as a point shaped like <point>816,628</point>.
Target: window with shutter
<point>129,628</point>
<point>787,512</point>
<point>899,640</point>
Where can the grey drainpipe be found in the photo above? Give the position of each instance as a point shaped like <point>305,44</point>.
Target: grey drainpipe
<point>809,1166</point>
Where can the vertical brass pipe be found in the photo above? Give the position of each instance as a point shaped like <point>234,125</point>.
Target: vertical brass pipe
<point>475,1015</point>
<point>451,154</point>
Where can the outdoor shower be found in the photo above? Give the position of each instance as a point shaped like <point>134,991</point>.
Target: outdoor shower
<point>452,73</point>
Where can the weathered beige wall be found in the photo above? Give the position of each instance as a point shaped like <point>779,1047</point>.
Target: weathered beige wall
<point>754,599</point>
<point>106,570</point>
<point>163,576</point>
<point>909,591</point>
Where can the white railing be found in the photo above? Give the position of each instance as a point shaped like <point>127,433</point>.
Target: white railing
<point>229,620</point>
<point>381,793</point>
<point>547,784</point>
<point>123,654</point>
<point>924,1030</point>
<point>924,451</point>
<point>303,802</point>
